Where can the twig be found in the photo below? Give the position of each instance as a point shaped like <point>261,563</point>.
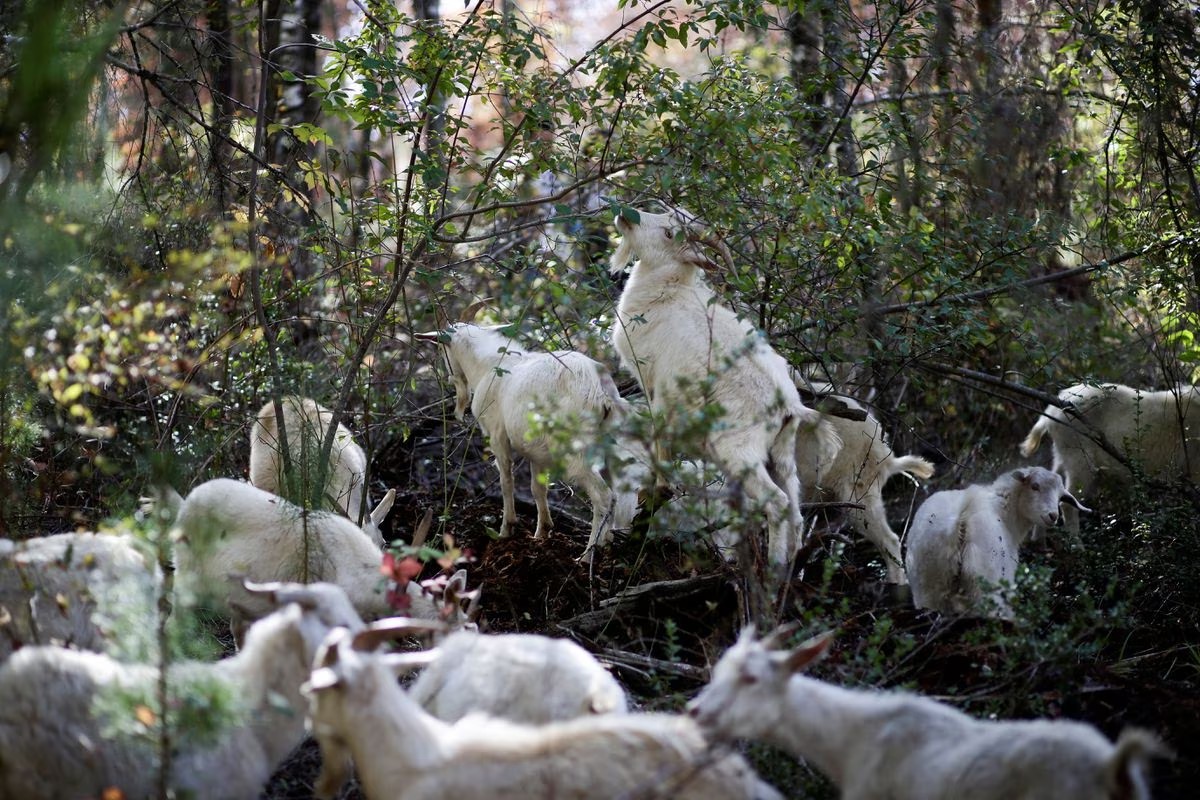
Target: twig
<point>626,658</point>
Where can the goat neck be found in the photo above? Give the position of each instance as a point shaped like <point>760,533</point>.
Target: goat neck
<point>824,723</point>
<point>274,662</point>
<point>413,739</point>
<point>478,351</point>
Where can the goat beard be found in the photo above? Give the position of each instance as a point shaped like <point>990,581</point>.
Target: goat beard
<point>621,257</point>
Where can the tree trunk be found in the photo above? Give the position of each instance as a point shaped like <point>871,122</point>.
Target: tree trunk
<point>804,34</point>
<point>221,89</point>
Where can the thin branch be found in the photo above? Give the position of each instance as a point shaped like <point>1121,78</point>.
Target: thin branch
<point>983,294</point>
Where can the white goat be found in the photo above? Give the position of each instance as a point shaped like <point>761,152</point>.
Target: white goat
<point>1160,431</point>
<point>507,386</point>
<point>688,352</point>
<point>901,746</point>
<point>358,711</point>
<point>54,742</point>
<point>855,472</point>
<point>964,545</point>
<point>228,530</point>
<point>521,677</point>
<point>305,423</point>
<point>72,589</point>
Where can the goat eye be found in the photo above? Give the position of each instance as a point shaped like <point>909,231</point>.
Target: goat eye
<point>669,234</point>
<point>749,680</point>
<point>1036,488</point>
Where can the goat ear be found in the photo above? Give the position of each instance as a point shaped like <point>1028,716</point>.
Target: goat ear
<point>1067,497</point>
<point>422,531</point>
<point>328,653</point>
<point>457,583</point>
<point>322,679</point>
<point>776,637</point>
<point>811,651</point>
<point>431,336</point>
<point>470,312</point>
<point>380,512</point>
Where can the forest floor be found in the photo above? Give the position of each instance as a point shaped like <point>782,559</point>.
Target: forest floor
<point>660,610</point>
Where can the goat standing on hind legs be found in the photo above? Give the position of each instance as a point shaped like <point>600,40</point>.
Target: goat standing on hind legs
<point>689,352</point>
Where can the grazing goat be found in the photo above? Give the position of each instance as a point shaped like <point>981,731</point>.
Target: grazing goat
<point>507,387</point>
<point>690,353</point>
<point>229,530</point>
<point>305,422</point>
<point>964,545</point>
<point>521,677</point>
<point>72,589</point>
<point>1158,431</point>
<point>901,746</point>
<point>856,472</point>
<point>54,742</point>
<point>358,711</point>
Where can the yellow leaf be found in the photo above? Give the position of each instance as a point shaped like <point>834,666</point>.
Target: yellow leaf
<point>145,715</point>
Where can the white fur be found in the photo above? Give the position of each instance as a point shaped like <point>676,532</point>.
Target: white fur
<point>505,385</point>
<point>856,471</point>
<point>688,351</point>
<point>358,711</point>
<point>518,676</point>
<point>305,423</point>
<point>72,589</point>
<point>53,744</point>
<point>901,746</point>
<point>964,545</point>
<point>229,530</point>
<point>1160,431</point>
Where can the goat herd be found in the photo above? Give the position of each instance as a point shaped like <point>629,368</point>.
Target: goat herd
<point>526,716</point>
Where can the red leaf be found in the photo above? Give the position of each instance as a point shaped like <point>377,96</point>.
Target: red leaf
<point>401,571</point>
<point>398,600</point>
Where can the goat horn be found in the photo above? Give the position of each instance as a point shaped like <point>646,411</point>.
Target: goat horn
<point>422,531</point>
<point>472,611</point>
<point>1070,498</point>
<point>385,630</point>
<point>717,244</point>
<point>380,512</point>
<point>471,311</point>
<point>283,593</point>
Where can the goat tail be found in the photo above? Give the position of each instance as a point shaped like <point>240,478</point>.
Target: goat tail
<point>1130,761</point>
<point>914,466</point>
<point>605,700</point>
<point>614,406</point>
<point>828,443</point>
<point>1034,439</point>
